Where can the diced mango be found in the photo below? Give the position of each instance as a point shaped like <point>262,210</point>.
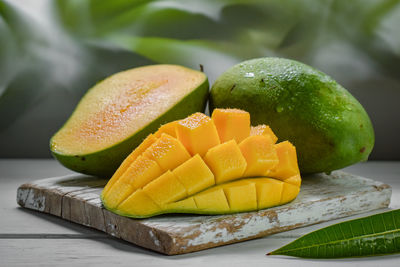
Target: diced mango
<point>226,162</point>
<point>138,203</point>
<point>231,124</point>
<point>269,192</point>
<point>289,192</point>
<point>241,197</point>
<point>260,155</point>
<point>147,142</point>
<point>287,166</point>
<point>197,133</point>
<point>212,200</point>
<point>188,204</point>
<point>140,173</point>
<point>165,189</point>
<point>168,152</point>
<point>168,128</point>
<point>194,174</point>
<point>263,130</point>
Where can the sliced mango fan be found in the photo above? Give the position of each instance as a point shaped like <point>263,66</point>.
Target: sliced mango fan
<point>205,165</point>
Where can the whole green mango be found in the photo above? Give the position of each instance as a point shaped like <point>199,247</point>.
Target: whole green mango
<point>328,126</point>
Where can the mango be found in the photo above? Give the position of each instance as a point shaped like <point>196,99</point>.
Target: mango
<point>327,125</point>
<point>118,113</point>
<point>195,172</point>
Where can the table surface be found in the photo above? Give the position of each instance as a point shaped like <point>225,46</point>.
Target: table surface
<point>33,238</point>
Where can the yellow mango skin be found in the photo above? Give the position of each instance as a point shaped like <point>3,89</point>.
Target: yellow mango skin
<point>231,124</point>
<point>167,175</point>
<point>197,133</point>
<point>226,162</point>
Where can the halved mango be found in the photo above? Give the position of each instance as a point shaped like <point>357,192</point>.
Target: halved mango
<point>195,173</point>
<point>119,112</point>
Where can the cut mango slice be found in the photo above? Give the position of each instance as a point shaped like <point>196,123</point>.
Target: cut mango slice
<point>196,165</point>
<point>231,124</point>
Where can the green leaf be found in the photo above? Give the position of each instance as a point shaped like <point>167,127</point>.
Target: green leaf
<point>369,236</point>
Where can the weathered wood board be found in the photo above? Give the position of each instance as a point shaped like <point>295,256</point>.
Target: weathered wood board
<point>322,198</point>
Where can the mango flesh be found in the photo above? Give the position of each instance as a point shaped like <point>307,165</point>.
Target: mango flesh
<point>328,126</point>
<point>195,172</point>
<point>117,114</point>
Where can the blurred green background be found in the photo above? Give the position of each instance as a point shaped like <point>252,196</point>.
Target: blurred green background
<point>51,52</point>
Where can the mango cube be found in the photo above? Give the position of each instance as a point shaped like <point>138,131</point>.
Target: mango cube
<point>231,124</point>
<point>287,166</point>
<point>294,180</point>
<point>168,128</point>
<point>168,152</point>
<point>165,189</point>
<point>197,133</point>
<point>260,155</point>
<point>140,173</point>
<point>269,192</point>
<point>263,130</point>
<point>139,203</point>
<point>241,197</point>
<point>194,174</point>
<point>188,204</point>
<point>226,162</point>
<point>147,142</point>
<point>289,192</point>
<point>212,200</point>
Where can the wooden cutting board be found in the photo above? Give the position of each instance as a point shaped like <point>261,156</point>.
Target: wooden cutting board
<point>322,198</point>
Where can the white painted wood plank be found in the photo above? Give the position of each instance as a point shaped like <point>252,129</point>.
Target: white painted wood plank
<point>98,252</point>
<point>322,198</point>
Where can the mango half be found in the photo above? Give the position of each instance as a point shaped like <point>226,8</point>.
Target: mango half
<point>120,111</point>
<point>205,165</point>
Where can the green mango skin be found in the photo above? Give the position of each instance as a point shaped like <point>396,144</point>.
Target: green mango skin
<point>328,126</point>
<point>105,162</point>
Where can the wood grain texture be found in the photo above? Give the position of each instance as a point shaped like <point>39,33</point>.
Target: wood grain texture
<point>322,198</point>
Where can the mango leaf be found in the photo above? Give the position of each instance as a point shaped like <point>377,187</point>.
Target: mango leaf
<point>374,235</point>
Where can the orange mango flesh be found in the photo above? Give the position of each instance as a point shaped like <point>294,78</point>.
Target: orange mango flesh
<point>231,124</point>
<point>263,130</point>
<point>197,133</point>
<point>193,171</point>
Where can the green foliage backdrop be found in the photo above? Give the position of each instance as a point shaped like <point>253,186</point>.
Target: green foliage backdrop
<point>51,52</point>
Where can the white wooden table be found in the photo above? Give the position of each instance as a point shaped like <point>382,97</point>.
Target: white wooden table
<point>32,238</point>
